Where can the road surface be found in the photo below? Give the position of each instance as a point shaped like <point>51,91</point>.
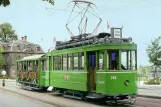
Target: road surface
<point>16,100</point>
<point>8,99</point>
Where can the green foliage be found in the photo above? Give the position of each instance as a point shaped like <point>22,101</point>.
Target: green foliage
<point>154,51</point>
<point>50,1</point>
<point>144,70</point>
<point>7,2</point>
<point>152,82</point>
<point>4,3</point>
<point>7,34</point>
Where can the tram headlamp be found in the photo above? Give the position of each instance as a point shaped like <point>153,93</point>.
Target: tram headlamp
<point>127,82</point>
<point>130,39</point>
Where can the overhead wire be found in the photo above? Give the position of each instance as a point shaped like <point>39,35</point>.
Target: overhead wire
<point>128,5</point>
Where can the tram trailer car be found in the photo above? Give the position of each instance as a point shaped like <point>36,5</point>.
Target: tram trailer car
<point>32,72</point>
<point>92,66</point>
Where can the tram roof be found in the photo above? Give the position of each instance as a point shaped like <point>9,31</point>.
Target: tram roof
<point>33,57</point>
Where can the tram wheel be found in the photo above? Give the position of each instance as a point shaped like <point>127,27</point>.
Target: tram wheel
<point>132,99</point>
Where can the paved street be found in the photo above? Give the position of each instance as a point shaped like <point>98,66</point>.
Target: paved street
<point>148,102</point>
<point>150,90</point>
<point>59,101</point>
<point>8,99</point>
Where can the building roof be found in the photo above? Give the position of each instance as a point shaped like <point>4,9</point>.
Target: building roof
<point>21,46</point>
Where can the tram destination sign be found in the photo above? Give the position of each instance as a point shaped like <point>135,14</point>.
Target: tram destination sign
<point>116,33</point>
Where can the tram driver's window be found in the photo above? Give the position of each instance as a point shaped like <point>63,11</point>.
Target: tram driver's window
<point>114,59</point>
<point>134,60</point>
<point>124,60</point>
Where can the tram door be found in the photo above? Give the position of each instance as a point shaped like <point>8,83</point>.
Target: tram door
<point>91,67</point>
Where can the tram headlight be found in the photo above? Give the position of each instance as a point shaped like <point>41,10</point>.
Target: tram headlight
<point>130,39</point>
<point>127,82</point>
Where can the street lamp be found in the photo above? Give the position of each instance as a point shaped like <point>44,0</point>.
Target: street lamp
<point>3,72</point>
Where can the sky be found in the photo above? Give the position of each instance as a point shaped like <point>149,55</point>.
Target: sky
<point>141,20</point>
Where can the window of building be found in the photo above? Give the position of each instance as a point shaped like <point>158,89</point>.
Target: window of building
<point>38,48</point>
<point>18,47</point>
<point>9,47</point>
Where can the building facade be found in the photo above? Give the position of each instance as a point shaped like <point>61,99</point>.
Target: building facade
<point>16,50</point>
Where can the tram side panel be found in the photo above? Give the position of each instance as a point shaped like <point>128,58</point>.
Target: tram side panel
<point>74,80</point>
<point>116,83</point>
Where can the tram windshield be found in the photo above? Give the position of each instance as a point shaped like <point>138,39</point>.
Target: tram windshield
<point>127,58</point>
<point>117,60</point>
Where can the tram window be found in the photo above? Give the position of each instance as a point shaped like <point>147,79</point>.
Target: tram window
<point>108,61</point>
<point>64,62</point>
<point>70,62</point>
<point>57,64</point>
<point>29,66</point>
<point>134,67</point>
<point>35,66</point>
<point>128,59</point>
<point>75,55</point>
<point>124,58</point>
<point>50,63</point>
<point>24,67</point>
<point>101,60</point>
<point>43,65</point>
<point>114,59</point>
<point>81,61</point>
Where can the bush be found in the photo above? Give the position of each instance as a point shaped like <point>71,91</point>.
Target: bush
<point>152,82</point>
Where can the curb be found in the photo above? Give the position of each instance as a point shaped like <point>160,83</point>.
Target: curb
<point>44,101</point>
<point>149,96</point>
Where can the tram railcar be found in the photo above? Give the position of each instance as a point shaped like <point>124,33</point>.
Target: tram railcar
<point>83,67</point>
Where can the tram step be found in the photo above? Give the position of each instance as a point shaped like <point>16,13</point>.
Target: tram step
<point>74,97</point>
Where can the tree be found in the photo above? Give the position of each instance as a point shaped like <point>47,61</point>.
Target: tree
<point>4,2</point>
<point>154,53</point>
<point>7,2</point>
<point>7,33</point>
<point>50,1</point>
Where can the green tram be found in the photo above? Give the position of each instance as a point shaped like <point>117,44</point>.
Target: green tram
<point>99,66</point>
<point>29,71</point>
